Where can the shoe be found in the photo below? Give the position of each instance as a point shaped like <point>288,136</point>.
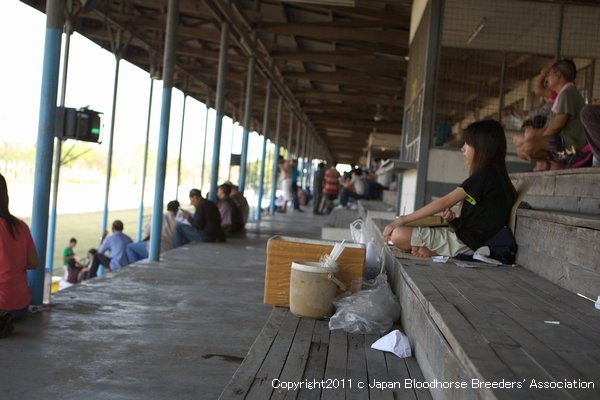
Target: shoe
<point>6,325</point>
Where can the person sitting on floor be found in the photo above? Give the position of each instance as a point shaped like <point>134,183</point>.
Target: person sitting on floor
<point>240,201</point>
<point>116,245</point>
<point>139,250</point>
<point>73,268</point>
<point>204,225</point>
<point>231,215</point>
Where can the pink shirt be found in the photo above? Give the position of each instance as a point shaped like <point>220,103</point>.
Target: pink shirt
<point>14,291</point>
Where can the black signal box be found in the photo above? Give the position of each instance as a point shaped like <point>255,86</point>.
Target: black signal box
<point>79,124</point>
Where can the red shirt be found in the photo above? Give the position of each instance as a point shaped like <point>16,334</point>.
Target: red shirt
<point>14,291</point>
<point>331,181</point>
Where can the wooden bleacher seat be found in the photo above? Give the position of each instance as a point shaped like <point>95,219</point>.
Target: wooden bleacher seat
<point>330,364</point>
<point>513,324</point>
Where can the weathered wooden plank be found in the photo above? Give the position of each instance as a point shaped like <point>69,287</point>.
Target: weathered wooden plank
<point>580,185</point>
<point>527,328</point>
<point>553,366</point>
<point>561,236</point>
<point>378,372</point>
<point>317,360</point>
<point>295,363</point>
<point>270,369</point>
<point>477,314</point>
<point>337,359</point>
<point>435,357</point>
<point>415,373</point>
<point>573,278</point>
<point>356,369</point>
<point>591,221</point>
<point>242,380</point>
<point>560,299</point>
<point>556,303</point>
<point>588,364</point>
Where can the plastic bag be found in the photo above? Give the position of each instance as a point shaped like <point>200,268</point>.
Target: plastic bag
<point>357,231</point>
<point>370,311</point>
<point>372,261</point>
<point>394,342</point>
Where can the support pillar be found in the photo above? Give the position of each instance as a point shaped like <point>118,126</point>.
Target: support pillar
<point>163,139</point>
<point>44,148</point>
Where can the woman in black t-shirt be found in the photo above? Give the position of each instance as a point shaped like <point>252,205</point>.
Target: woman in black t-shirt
<point>487,197</point>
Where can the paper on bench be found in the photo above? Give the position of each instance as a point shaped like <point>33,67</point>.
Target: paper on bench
<point>394,342</point>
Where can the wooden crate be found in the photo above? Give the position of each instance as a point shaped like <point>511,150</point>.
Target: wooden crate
<point>282,250</point>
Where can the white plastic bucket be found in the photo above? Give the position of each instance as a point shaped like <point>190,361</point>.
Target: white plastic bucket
<point>312,289</point>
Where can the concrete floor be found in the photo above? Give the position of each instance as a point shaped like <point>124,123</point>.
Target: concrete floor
<point>175,329</point>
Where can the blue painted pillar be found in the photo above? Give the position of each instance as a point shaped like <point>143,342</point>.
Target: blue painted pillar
<point>145,166</point>
<point>246,123</point>
<point>289,138</point>
<point>204,146</point>
<point>163,139</point>
<point>180,148</point>
<point>219,107</point>
<point>57,159</point>
<point>44,149</point>
<point>110,144</point>
<point>276,156</point>
<point>264,150</point>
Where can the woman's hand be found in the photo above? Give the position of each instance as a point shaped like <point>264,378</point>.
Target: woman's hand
<point>387,231</point>
<point>448,215</point>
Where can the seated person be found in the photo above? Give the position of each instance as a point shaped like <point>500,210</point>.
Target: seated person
<point>204,225</point>
<point>354,187</point>
<point>373,189</point>
<point>72,264</point>
<point>590,119</point>
<point>563,134</point>
<point>231,216</point>
<point>139,250</point>
<point>240,201</point>
<point>116,245</point>
<point>486,198</point>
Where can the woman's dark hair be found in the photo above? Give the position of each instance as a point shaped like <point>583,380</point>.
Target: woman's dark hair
<point>4,212</point>
<point>488,139</point>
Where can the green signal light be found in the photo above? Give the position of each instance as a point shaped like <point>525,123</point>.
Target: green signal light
<point>95,131</point>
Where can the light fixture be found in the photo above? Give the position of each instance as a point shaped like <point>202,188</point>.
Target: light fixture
<point>378,117</point>
<point>476,31</point>
<point>336,132</point>
<point>342,3</point>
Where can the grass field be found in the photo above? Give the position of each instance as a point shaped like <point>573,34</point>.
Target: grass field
<point>86,228</point>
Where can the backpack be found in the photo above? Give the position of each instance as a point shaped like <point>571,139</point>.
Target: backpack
<point>502,247</point>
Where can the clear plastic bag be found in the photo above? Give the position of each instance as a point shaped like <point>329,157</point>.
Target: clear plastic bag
<point>357,231</point>
<point>370,311</point>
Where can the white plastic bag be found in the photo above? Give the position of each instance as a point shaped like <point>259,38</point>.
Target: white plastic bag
<point>394,342</point>
<point>373,310</point>
<point>357,231</point>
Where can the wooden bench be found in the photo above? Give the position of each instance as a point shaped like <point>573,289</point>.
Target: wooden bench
<point>513,324</point>
<point>300,358</point>
<point>498,324</point>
